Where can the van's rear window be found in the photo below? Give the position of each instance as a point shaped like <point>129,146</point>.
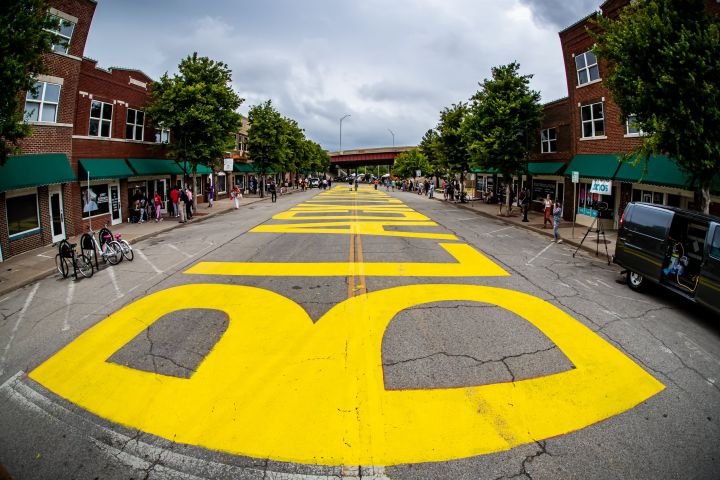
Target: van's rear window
<point>650,221</point>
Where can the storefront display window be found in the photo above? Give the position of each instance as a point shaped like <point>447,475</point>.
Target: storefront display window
<point>95,200</point>
<point>590,203</point>
<point>22,214</point>
<point>542,188</point>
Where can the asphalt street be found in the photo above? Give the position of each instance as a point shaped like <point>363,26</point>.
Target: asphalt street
<point>356,335</point>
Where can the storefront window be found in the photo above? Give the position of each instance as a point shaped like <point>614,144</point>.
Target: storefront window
<point>648,197</point>
<point>594,204</point>
<point>542,188</point>
<point>221,183</point>
<point>95,200</point>
<point>22,214</point>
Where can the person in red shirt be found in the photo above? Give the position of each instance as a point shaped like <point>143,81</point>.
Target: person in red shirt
<point>175,199</point>
<point>157,201</point>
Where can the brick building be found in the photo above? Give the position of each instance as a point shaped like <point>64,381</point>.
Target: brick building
<point>590,137</point>
<point>36,188</point>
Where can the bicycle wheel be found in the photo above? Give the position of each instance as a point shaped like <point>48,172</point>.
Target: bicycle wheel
<point>62,265</point>
<point>113,253</point>
<point>127,250</point>
<point>85,266</point>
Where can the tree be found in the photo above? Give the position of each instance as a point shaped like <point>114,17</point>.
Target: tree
<point>429,147</point>
<point>500,127</point>
<point>24,39</point>
<point>409,162</point>
<point>267,139</point>
<point>199,106</point>
<point>451,148</point>
<point>664,69</point>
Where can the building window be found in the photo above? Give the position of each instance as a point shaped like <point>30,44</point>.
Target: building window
<point>63,29</point>
<point>162,135</point>
<point>548,140</point>
<point>587,68</point>
<point>100,119</point>
<point>41,102</point>
<point>593,120</point>
<point>221,183</point>
<point>22,214</point>
<point>632,129</point>
<point>95,200</point>
<point>135,125</point>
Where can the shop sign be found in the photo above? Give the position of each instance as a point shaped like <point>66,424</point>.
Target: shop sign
<point>228,164</point>
<point>602,187</point>
<point>576,177</point>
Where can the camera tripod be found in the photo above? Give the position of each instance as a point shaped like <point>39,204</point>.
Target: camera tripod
<point>598,231</point>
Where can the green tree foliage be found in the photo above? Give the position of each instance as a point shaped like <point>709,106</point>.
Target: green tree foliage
<point>503,118</point>
<point>23,40</point>
<point>452,152</point>
<point>199,106</point>
<point>408,163</point>
<point>429,148</point>
<point>267,139</point>
<point>665,69</point>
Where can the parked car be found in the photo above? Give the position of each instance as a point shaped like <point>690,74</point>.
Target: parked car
<point>314,183</point>
<point>675,248</point>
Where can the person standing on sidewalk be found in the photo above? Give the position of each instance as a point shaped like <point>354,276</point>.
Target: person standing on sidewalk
<point>188,203</point>
<point>236,195</point>
<point>524,201</point>
<point>273,191</point>
<point>548,211</point>
<point>211,194</point>
<point>157,201</point>
<point>557,217</point>
<point>175,199</point>
<point>183,201</point>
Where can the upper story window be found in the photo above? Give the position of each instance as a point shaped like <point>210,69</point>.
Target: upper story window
<point>100,119</point>
<point>242,143</point>
<point>135,125</point>
<point>632,129</point>
<point>41,102</point>
<point>587,68</point>
<point>63,29</point>
<point>593,120</point>
<point>162,135</point>
<point>548,140</point>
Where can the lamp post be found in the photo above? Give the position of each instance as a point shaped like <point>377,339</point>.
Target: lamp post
<point>393,136</point>
<point>341,120</point>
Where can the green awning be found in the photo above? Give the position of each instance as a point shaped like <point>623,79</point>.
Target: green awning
<point>104,168</point>
<point>661,170</point>
<point>23,171</point>
<point>602,167</point>
<point>545,168</point>
<point>491,171</point>
<point>201,169</point>
<point>154,166</point>
<point>244,168</point>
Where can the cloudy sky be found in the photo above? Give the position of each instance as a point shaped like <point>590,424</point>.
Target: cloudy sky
<point>390,65</point>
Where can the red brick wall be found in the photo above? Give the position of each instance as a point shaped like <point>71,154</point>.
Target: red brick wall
<point>84,10</point>
<point>556,115</point>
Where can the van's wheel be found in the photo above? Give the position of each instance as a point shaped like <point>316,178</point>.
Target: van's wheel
<point>635,281</point>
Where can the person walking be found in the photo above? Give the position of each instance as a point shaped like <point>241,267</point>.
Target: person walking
<point>188,203</point>
<point>183,201</point>
<point>175,199</point>
<point>157,201</point>
<point>548,203</point>
<point>431,189</point>
<point>524,201</point>
<point>211,194</point>
<point>272,188</point>
<point>236,196</point>
<point>557,217</point>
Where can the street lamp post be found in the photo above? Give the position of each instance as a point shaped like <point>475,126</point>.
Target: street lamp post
<point>341,120</point>
<point>393,136</point>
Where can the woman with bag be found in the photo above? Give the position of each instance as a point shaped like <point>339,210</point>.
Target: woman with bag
<point>236,195</point>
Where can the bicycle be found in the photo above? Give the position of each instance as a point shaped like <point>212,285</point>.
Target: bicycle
<point>110,250</point>
<point>125,247</point>
<point>68,256</point>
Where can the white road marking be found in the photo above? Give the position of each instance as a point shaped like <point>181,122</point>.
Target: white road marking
<point>113,277</point>
<point>541,252</point>
<point>144,257</point>
<point>605,285</point>
<point>187,255</point>
<point>581,283</point>
<point>612,314</point>
<point>44,256</point>
<point>21,316</point>
<point>68,302</point>
<point>633,299</point>
<point>495,231</point>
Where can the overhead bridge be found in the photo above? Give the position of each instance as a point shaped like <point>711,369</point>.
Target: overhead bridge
<point>367,156</point>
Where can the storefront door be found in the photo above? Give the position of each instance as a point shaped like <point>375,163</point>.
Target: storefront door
<point>57,220</point>
<point>115,208</point>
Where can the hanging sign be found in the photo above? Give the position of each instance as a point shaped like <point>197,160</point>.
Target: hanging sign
<point>228,164</point>
<point>603,187</point>
<point>575,177</point>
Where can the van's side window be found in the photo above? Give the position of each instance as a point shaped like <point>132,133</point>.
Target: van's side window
<point>651,221</point>
<point>715,246</point>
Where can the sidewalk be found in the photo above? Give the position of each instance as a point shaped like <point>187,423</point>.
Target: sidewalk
<point>535,224</point>
<point>37,264</point>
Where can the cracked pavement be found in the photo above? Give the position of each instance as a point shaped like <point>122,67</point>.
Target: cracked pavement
<point>674,434</point>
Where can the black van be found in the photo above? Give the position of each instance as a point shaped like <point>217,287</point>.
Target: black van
<point>678,249</point>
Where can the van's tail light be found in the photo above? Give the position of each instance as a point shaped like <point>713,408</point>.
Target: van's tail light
<point>622,219</point>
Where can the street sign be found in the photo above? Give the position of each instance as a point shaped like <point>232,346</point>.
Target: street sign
<point>603,187</point>
<point>417,173</point>
<point>575,177</point>
<point>228,164</point>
